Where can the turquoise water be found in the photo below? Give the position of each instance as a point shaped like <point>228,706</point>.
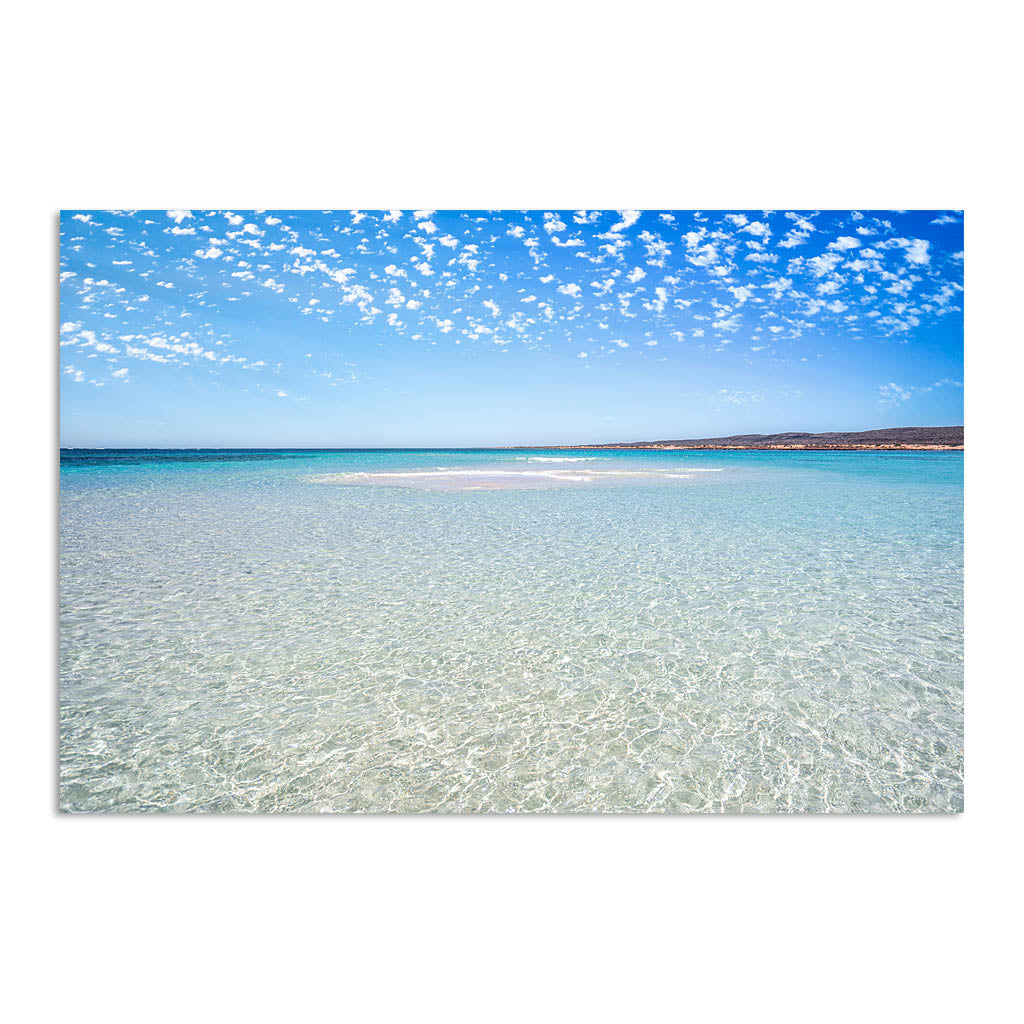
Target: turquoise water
<point>498,631</point>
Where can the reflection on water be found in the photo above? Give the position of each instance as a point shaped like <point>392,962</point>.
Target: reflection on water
<point>781,634</point>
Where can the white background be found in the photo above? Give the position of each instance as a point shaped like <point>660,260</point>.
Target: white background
<point>804,105</point>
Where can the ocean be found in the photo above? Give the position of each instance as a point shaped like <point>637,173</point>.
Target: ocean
<point>511,631</point>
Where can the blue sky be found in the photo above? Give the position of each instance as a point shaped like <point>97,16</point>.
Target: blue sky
<point>423,328</point>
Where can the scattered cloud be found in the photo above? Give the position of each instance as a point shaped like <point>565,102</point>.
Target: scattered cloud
<point>223,291</point>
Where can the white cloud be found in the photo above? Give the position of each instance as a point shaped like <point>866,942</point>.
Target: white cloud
<point>892,394</point>
<point>629,218</point>
<point>917,252</point>
<point>824,264</point>
<point>552,224</point>
<point>712,271</point>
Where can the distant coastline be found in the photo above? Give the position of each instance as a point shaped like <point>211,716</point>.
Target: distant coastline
<point>891,439</point>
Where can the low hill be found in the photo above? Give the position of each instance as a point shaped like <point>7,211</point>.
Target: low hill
<point>892,437</point>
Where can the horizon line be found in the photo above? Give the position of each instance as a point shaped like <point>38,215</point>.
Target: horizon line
<point>489,447</point>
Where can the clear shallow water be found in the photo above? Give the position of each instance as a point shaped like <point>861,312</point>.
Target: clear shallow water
<point>274,631</point>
